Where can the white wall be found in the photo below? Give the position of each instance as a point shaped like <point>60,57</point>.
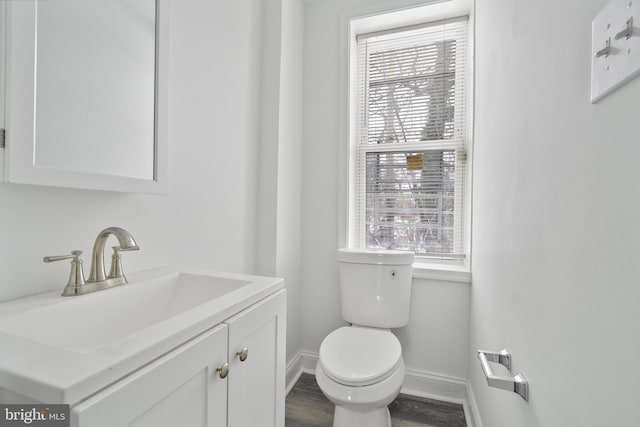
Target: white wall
<point>209,218</point>
<point>280,188</point>
<point>556,235</point>
<point>289,219</point>
<point>215,69</point>
<point>436,341</point>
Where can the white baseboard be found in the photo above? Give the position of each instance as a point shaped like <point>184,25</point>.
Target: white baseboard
<point>471,413</point>
<point>302,362</point>
<point>294,371</point>
<point>434,386</point>
<point>417,383</point>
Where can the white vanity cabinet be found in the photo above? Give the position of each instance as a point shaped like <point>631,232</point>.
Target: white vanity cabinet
<point>257,384</point>
<point>180,388</point>
<point>184,387</point>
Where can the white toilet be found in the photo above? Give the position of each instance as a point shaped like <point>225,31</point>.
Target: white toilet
<point>360,367</point>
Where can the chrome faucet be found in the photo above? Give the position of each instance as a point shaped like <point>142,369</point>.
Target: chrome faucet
<point>98,278</point>
<point>127,243</point>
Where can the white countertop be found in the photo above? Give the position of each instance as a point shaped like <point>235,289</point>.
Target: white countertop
<point>47,371</point>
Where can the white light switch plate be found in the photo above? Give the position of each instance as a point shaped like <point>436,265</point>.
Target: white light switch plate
<point>609,72</point>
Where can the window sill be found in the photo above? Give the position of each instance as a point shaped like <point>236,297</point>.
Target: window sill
<point>445,273</point>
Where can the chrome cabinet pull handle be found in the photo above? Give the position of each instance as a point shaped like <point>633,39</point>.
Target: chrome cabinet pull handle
<point>243,354</point>
<point>517,384</point>
<point>223,371</point>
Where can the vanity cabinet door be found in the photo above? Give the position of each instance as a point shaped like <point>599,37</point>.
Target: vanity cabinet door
<point>181,388</point>
<point>257,383</point>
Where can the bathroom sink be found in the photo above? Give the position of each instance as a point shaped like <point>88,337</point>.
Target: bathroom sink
<point>58,349</point>
<point>91,321</point>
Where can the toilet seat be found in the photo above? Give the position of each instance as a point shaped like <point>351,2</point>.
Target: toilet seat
<point>358,356</point>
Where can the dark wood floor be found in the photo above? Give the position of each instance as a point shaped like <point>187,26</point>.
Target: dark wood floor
<point>307,407</point>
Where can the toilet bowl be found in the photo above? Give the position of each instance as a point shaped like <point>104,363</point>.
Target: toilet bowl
<point>360,367</point>
<point>360,370</point>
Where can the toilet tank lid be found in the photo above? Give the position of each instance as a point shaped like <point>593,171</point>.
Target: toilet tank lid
<point>375,256</point>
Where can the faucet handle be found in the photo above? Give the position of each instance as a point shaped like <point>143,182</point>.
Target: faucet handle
<point>74,254</point>
<point>116,263</point>
<point>76,276</point>
<point>115,272</point>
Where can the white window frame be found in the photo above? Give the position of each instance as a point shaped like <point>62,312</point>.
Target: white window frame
<point>458,270</point>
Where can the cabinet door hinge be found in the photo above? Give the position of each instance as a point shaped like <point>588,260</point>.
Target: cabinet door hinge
<point>1,138</point>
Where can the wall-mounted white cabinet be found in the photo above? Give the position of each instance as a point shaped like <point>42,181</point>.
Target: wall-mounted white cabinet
<point>85,93</point>
<point>185,386</point>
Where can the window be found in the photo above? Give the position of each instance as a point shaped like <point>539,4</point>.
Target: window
<point>409,153</point>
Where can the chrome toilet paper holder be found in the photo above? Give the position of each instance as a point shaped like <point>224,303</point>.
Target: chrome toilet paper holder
<point>517,384</point>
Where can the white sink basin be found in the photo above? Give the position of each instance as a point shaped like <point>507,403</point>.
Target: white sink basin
<point>87,322</point>
<point>59,349</point>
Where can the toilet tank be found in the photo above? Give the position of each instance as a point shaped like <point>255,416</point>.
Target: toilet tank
<point>375,287</point>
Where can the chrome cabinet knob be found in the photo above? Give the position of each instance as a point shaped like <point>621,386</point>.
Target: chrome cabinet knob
<point>243,354</point>
<point>223,371</point>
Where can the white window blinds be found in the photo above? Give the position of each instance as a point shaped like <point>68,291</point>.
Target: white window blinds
<point>411,139</point>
